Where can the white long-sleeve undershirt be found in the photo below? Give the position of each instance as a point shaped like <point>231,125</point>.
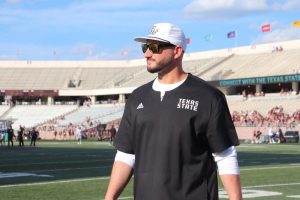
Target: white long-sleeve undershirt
<point>226,161</point>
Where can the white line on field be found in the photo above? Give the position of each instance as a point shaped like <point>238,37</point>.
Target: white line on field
<point>69,169</point>
<point>271,185</point>
<point>59,162</point>
<point>267,168</point>
<point>293,165</point>
<point>108,166</point>
<point>55,182</point>
<point>250,187</point>
<point>107,177</point>
<point>294,196</point>
<point>264,159</point>
<point>125,198</point>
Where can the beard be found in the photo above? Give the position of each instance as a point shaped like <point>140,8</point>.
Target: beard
<point>161,66</point>
<point>153,70</point>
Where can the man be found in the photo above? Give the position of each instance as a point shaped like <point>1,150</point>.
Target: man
<point>20,136</point>
<point>175,131</point>
<point>113,132</point>
<point>10,133</point>
<point>272,136</point>
<point>1,136</point>
<point>34,134</point>
<point>78,135</point>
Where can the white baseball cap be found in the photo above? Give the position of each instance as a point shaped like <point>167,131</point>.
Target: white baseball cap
<point>165,32</point>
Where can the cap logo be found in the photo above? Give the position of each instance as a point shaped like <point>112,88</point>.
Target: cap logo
<point>165,33</point>
<point>154,30</point>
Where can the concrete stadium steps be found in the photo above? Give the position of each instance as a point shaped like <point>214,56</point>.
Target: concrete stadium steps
<point>103,113</point>
<point>3,110</point>
<point>266,64</point>
<point>139,79</point>
<point>94,78</point>
<point>32,115</point>
<point>263,106</point>
<point>34,78</point>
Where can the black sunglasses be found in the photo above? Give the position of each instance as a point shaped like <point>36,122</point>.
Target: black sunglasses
<point>155,48</point>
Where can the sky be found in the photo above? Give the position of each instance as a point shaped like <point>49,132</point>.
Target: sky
<point>104,29</point>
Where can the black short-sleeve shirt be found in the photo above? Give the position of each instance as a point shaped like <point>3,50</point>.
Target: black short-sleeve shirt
<point>173,140</point>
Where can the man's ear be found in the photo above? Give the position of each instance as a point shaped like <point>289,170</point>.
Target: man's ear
<point>178,52</point>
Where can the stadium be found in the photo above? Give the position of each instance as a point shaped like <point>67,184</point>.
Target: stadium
<point>52,95</point>
<point>260,82</point>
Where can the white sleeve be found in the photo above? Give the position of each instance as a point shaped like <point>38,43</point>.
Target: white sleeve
<point>126,158</point>
<point>227,161</point>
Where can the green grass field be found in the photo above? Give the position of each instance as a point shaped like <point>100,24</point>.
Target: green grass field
<point>68,171</point>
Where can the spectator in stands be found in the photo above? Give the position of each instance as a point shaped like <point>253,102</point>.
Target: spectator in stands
<point>175,130</point>
<point>277,49</point>
<point>276,117</point>
<point>21,136</point>
<point>10,134</point>
<point>244,93</point>
<point>33,135</point>
<point>262,93</point>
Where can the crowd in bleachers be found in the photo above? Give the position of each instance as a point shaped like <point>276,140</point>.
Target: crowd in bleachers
<point>275,117</point>
<point>64,128</point>
<point>283,92</point>
<point>89,131</point>
<point>277,49</point>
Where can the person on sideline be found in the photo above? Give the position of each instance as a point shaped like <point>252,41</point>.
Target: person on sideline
<point>1,137</point>
<point>176,131</point>
<point>10,133</point>
<point>272,136</point>
<point>21,136</point>
<point>113,132</point>
<point>34,135</point>
<point>78,135</point>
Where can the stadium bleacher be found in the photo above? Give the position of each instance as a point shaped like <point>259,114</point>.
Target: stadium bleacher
<point>102,80</point>
<point>32,115</point>
<point>3,109</point>
<point>95,112</point>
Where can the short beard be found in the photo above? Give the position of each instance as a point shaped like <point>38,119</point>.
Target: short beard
<point>154,70</point>
<point>161,67</point>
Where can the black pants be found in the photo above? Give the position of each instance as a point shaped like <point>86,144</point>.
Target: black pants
<point>21,142</point>
<point>10,140</point>
<point>32,142</point>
